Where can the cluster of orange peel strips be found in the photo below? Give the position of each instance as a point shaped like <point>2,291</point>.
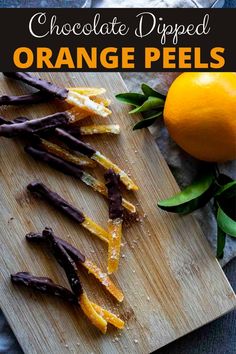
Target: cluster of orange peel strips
<point>87,102</point>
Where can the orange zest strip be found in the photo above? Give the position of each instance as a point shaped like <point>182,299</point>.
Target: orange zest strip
<point>105,101</point>
<point>96,319</point>
<point>103,279</point>
<point>108,316</point>
<point>77,114</point>
<point>88,91</point>
<point>66,155</point>
<point>95,229</point>
<point>115,234</point>
<point>100,129</point>
<point>101,188</point>
<point>85,103</point>
<point>108,164</point>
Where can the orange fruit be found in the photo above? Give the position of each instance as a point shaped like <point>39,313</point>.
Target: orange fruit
<point>200,115</point>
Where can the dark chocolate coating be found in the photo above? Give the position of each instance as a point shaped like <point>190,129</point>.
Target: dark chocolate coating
<point>54,161</point>
<point>16,120</point>
<point>34,126</point>
<point>75,143</point>
<point>43,285</point>
<point>114,195</point>
<point>73,252</point>
<point>36,97</point>
<point>56,200</point>
<point>65,261</point>
<point>48,87</point>
<point>73,129</point>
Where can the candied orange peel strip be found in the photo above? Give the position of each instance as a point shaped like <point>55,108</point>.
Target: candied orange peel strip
<point>101,100</point>
<point>108,164</point>
<point>95,229</point>
<point>77,114</point>
<point>66,155</point>
<point>115,234</point>
<point>103,279</point>
<point>109,316</point>
<point>96,319</point>
<point>100,187</point>
<point>88,91</point>
<point>100,129</point>
<point>85,103</point>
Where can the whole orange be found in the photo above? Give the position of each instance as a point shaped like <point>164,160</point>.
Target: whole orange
<point>200,115</point>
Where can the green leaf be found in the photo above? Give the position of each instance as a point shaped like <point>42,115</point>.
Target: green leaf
<point>148,91</point>
<point>149,104</point>
<point>132,98</point>
<point>221,238</point>
<point>146,122</point>
<point>226,199</point>
<point>225,223</point>
<point>223,179</point>
<point>227,191</point>
<point>192,197</point>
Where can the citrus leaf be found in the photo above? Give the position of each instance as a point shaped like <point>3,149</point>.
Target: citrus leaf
<point>132,98</point>
<point>149,104</point>
<point>192,197</point>
<point>227,191</point>
<point>221,238</point>
<point>144,123</point>
<point>154,112</point>
<point>148,91</point>
<point>225,223</point>
<point>223,179</point>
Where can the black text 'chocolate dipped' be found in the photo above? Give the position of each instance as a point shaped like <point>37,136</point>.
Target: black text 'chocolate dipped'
<point>65,261</point>
<point>34,126</point>
<point>74,143</point>
<point>73,252</point>
<point>54,161</point>
<point>48,87</point>
<point>43,285</point>
<point>114,195</point>
<point>36,97</point>
<point>56,200</point>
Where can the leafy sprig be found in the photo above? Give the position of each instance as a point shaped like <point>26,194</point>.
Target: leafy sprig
<point>150,104</point>
<point>211,185</point>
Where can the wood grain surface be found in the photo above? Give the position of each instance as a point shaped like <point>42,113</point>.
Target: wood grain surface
<point>171,280</point>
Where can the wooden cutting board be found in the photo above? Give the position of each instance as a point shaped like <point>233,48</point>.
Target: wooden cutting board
<point>171,280</point>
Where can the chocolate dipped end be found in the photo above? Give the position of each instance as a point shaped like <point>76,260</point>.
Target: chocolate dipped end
<point>16,120</point>
<point>114,195</point>
<point>37,97</point>
<point>65,261</point>
<point>48,87</point>
<point>56,200</point>
<point>43,285</point>
<point>73,252</point>
<point>75,143</point>
<point>34,126</point>
<point>54,161</point>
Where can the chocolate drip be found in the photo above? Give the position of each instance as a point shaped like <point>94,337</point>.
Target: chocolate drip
<point>65,261</point>
<point>37,97</point>
<point>56,200</point>
<point>75,143</point>
<point>54,161</point>
<point>39,83</point>
<point>43,285</point>
<point>34,126</point>
<point>114,195</point>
